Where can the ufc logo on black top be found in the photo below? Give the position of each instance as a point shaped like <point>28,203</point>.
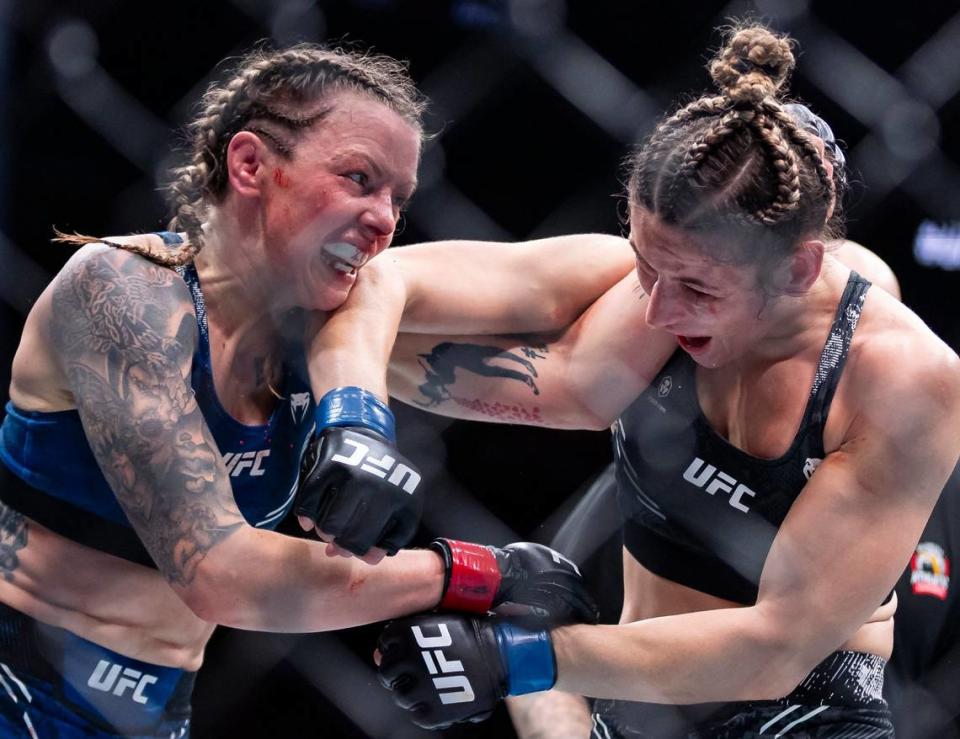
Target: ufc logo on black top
<point>401,476</point>
<point>451,688</point>
<point>711,479</point>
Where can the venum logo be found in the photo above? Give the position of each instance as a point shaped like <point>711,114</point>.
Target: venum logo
<point>402,476</point>
<point>810,466</point>
<point>666,385</point>
<point>710,479</point>
<point>451,687</point>
<point>299,402</point>
<point>116,679</point>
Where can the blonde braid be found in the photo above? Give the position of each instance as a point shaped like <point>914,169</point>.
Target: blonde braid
<point>192,183</point>
<point>275,94</point>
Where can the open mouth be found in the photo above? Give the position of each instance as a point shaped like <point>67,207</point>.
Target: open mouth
<point>343,258</point>
<point>693,343</point>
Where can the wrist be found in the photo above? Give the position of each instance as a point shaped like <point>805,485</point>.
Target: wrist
<point>354,406</point>
<point>472,577</point>
<point>527,656</point>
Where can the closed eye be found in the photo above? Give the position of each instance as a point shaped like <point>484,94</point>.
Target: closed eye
<point>698,293</point>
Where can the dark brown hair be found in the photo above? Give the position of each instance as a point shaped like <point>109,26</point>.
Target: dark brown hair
<point>737,166</point>
<point>277,94</point>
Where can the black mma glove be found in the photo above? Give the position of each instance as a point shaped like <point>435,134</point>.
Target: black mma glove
<point>479,578</point>
<point>354,484</point>
<point>447,668</point>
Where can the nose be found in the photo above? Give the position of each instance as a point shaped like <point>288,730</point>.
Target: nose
<point>381,213</point>
<point>665,307</point>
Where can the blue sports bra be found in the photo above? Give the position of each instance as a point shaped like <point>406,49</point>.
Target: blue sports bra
<point>50,473</point>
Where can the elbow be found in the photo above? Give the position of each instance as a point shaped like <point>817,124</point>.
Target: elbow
<point>203,597</point>
<point>218,594</point>
<point>784,665</point>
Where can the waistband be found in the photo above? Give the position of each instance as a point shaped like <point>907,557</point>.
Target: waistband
<point>844,678</point>
<point>113,692</point>
<point>851,682</point>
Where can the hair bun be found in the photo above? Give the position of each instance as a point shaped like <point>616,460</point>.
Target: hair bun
<point>752,65</point>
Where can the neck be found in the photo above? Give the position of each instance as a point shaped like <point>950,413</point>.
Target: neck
<point>797,324</point>
<point>242,317</point>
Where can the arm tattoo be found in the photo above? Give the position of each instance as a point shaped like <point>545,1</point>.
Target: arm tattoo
<point>13,538</point>
<point>125,334</point>
<point>441,363</point>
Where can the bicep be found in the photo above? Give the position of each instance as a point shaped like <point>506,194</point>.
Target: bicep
<point>124,334</point>
<point>851,532</point>
<point>472,287</point>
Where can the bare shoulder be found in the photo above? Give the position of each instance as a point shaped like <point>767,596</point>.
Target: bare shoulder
<point>905,377</point>
<point>103,283</point>
<point>90,303</point>
<point>867,263</point>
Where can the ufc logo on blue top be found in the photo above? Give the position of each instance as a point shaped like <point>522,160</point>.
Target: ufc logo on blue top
<point>402,476</point>
<point>452,688</point>
<point>711,479</point>
<point>104,680</point>
<point>237,462</point>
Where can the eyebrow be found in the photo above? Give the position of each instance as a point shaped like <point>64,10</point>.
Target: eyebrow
<point>378,171</point>
<point>695,281</point>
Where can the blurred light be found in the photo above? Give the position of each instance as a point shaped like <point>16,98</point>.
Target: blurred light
<point>910,129</point>
<point>938,246</point>
<point>297,20</point>
<point>433,166</point>
<point>479,13</point>
<point>73,48</point>
<point>538,17</point>
<point>784,10</point>
<point>593,85</point>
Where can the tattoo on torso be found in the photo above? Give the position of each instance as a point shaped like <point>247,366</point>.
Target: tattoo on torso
<point>13,538</point>
<point>125,332</point>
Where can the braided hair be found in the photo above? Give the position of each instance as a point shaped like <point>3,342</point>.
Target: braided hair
<point>277,94</point>
<point>738,166</point>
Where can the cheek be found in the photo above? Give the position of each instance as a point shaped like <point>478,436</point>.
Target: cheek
<point>281,179</point>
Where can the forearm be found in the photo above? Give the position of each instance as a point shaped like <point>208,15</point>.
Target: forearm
<point>352,345</point>
<point>550,715</point>
<point>264,581</point>
<point>502,379</point>
<point>719,655</point>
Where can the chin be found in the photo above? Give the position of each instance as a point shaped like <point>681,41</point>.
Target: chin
<point>326,299</point>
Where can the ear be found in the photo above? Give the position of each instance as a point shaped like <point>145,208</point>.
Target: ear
<point>245,160</point>
<point>804,267</point>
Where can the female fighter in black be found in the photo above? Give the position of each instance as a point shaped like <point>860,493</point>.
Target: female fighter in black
<point>781,433</point>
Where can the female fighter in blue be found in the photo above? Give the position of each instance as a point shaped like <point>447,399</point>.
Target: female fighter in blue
<point>157,417</point>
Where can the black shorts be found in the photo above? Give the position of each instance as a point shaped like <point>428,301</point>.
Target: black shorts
<point>840,699</point>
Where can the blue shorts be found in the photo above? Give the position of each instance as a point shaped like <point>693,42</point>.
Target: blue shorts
<point>840,699</point>
<point>55,684</point>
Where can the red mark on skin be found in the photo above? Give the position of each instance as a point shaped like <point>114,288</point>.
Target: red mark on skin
<point>357,584</point>
<point>500,411</point>
<point>280,179</point>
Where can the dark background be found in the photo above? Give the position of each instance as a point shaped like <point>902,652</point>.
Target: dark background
<point>535,102</point>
